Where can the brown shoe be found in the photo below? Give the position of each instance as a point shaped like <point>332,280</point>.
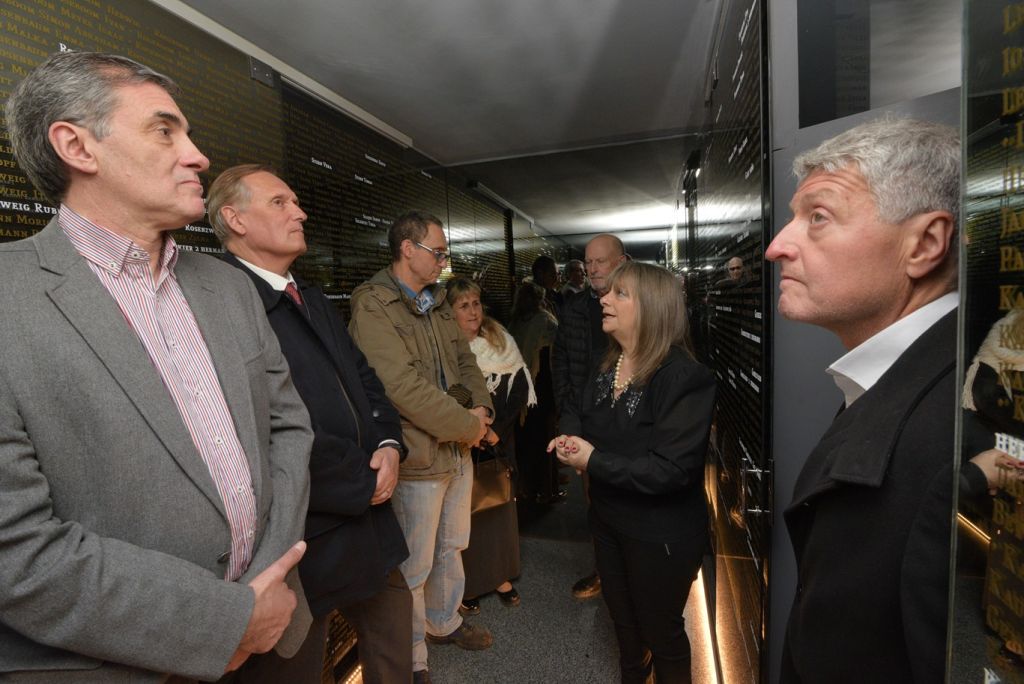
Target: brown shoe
<point>588,587</point>
<point>421,677</point>
<point>466,636</point>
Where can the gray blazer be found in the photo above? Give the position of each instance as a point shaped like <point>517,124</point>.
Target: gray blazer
<point>111,528</point>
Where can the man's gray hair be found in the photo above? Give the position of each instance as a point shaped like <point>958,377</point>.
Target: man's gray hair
<point>911,166</point>
<point>77,87</point>
<point>230,189</point>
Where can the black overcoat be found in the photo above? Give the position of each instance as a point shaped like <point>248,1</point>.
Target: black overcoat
<point>870,525</point>
<point>351,544</point>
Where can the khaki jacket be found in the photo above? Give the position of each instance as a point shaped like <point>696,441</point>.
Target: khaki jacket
<point>399,344</point>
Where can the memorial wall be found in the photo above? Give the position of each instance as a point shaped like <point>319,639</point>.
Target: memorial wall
<point>988,617</point>
<point>351,180</point>
<point>726,286</point>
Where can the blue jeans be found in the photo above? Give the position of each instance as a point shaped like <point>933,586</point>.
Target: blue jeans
<point>434,516</point>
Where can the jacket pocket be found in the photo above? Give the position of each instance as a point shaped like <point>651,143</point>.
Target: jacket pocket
<point>422,448</point>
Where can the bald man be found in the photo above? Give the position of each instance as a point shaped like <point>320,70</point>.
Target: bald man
<point>581,343</point>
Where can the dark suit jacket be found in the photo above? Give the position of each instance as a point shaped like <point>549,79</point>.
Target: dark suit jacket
<point>352,545</point>
<point>112,532</point>
<point>870,525</point>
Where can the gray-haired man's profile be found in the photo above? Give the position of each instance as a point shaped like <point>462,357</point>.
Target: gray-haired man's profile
<point>870,255</point>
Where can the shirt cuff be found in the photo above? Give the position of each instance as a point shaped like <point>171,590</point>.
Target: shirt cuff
<point>398,446</point>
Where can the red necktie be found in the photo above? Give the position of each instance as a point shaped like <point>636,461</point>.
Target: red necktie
<point>293,292</point>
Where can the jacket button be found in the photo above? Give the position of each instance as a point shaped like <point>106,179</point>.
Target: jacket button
<point>224,557</point>
<point>376,413</point>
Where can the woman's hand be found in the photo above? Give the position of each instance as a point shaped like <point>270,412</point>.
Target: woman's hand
<point>572,450</point>
<point>998,467</point>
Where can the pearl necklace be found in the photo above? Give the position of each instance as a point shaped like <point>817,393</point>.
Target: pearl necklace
<point>619,387</point>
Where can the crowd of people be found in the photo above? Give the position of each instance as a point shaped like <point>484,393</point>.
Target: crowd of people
<point>201,460</point>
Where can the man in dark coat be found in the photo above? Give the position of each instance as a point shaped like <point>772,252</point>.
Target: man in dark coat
<point>870,255</point>
<point>354,541</point>
<point>581,343</point>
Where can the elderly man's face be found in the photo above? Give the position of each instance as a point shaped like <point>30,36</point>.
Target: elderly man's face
<point>602,256</point>
<point>273,219</point>
<point>735,268</point>
<point>842,267</point>
<point>147,164</point>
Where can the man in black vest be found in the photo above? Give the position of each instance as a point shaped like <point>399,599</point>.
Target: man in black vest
<point>870,255</point>
<point>354,541</point>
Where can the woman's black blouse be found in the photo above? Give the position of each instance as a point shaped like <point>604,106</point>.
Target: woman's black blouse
<point>647,468</point>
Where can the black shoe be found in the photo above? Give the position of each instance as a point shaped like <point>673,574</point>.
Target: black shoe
<point>587,587</point>
<point>510,598</point>
<point>465,636</point>
<point>421,677</point>
<point>469,607</point>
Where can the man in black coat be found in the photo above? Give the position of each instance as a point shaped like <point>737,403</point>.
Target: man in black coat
<point>354,541</point>
<point>870,255</point>
<point>580,345</point>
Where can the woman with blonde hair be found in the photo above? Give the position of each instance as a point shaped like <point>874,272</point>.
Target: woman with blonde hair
<point>640,430</point>
<point>492,558</point>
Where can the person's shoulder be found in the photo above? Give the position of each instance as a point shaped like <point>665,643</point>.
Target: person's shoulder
<point>380,288</point>
<point>577,301</point>
<point>18,254</point>
<point>211,267</point>
<point>679,365</point>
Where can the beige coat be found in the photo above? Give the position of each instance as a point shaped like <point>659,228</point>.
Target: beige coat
<point>399,344</point>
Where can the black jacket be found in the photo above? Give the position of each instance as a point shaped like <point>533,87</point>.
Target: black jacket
<point>351,545</point>
<point>577,353</point>
<point>870,526</point>
<point>647,467</point>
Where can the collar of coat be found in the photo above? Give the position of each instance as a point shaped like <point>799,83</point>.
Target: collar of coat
<point>389,290</point>
<point>858,446</point>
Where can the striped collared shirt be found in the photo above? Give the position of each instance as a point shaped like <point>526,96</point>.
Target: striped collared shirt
<point>160,315</point>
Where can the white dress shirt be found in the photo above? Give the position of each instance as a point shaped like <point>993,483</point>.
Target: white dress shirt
<point>860,368</point>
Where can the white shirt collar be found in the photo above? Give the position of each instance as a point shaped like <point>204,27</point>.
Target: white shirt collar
<point>860,368</point>
<point>275,281</point>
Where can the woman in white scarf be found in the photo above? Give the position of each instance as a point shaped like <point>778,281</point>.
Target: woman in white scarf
<point>492,558</point>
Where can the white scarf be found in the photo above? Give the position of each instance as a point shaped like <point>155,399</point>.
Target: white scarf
<point>495,364</point>
<point>1002,359</point>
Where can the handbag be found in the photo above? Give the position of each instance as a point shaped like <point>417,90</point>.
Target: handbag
<point>492,480</point>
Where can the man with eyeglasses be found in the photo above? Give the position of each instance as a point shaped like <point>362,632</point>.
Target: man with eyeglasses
<point>407,331</point>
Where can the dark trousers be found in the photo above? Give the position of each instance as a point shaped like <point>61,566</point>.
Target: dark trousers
<point>269,668</point>
<point>645,585</point>
<point>383,625</point>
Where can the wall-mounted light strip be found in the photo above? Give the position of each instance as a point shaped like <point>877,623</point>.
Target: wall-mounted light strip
<point>704,626</point>
<point>974,529</point>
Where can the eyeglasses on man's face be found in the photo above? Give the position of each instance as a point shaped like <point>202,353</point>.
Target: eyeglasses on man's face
<point>439,254</point>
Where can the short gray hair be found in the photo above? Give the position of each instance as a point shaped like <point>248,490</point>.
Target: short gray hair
<point>230,189</point>
<point>911,166</point>
<point>77,87</point>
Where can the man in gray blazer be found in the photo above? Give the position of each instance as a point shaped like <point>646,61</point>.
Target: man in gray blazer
<point>153,451</point>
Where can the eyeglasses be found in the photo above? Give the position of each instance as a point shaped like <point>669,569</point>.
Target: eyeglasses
<point>439,254</point>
